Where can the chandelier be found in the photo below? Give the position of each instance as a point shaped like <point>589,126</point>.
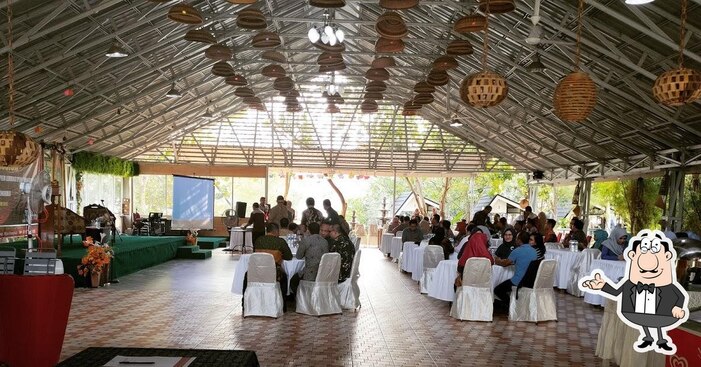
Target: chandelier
<point>327,34</point>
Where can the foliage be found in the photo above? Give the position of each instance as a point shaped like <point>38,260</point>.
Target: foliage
<point>95,259</point>
<point>692,207</point>
<point>640,198</point>
<point>97,163</point>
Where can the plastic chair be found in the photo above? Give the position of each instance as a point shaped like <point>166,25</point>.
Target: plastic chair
<point>263,296</point>
<point>537,303</point>
<point>7,261</point>
<point>474,301</point>
<point>40,263</point>
<point>432,256</point>
<point>581,269</point>
<point>321,297</point>
<point>349,290</point>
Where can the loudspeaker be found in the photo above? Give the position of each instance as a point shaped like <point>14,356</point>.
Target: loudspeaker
<point>241,209</point>
<point>538,175</point>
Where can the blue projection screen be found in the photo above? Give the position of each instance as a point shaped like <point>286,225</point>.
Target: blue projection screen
<point>193,203</point>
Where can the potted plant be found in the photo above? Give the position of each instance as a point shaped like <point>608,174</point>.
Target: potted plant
<point>191,238</point>
<point>95,261</point>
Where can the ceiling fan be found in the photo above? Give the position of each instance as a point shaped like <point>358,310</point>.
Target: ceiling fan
<point>535,37</point>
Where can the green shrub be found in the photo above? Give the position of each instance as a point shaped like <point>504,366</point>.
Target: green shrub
<point>97,163</point>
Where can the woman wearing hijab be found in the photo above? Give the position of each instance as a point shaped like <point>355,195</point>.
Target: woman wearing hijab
<point>536,240</point>
<point>476,246</point>
<point>612,248</point>
<point>508,244</point>
<point>542,221</point>
<point>599,237</point>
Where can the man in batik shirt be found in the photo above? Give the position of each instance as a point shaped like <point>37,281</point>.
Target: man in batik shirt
<point>343,245</point>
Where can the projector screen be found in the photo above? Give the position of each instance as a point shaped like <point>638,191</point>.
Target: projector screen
<point>193,203</point>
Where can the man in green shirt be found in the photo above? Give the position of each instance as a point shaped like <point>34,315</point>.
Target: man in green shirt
<point>342,244</point>
<point>272,241</point>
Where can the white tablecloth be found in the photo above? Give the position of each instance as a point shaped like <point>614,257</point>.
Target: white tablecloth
<point>613,269</point>
<point>417,263</point>
<point>409,257</point>
<point>396,247</point>
<point>237,238</point>
<point>495,242</point>
<point>446,272</point>
<point>291,267</point>
<point>500,274</point>
<point>565,261</point>
<point>386,244</point>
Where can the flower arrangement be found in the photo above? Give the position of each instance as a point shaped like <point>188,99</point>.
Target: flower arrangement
<point>96,258</point>
<point>191,238</point>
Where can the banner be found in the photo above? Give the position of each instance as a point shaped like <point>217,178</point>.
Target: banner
<point>13,202</point>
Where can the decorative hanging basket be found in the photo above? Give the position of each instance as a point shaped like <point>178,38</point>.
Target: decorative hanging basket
<point>677,87</point>
<point>200,35</point>
<point>184,13</point>
<point>387,45</point>
<point>437,78</point>
<point>410,112</point>
<point>376,86</point>
<point>244,92</point>
<point>398,4</point>
<point>524,203</point>
<point>330,68</point>
<point>497,6</point>
<point>375,96</point>
<point>17,150</point>
<point>329,58</point>
<point>459,48</point>
<point>575,97</point>
<point>242,1</point>
<point>470,23</point>
<point>289,93</point>
<point>332,108</point>
<point>423,87</point>
<point>485,89</point>
<point>274,56</point>
<point>284,83</point>
<point>383,62</point>
<point>218,52</point>
<point>292,109</point>
<point>265,39</point>
<point>377,74</point>
<point>411,105</point>
<point>273,71</point>
<point>251,100</point>
<point>337,48</point>
<point>445,63</point>
<point>222,68</point>
<point>251,19</point>
<point>390,25</point>
<point>423,98</point>
<point>236,80</point>
<point>328,3</point>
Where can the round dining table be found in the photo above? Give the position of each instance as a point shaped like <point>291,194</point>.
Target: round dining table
<point>290,267</point>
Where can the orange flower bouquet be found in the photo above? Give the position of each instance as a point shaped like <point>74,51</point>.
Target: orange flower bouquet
<point>95,259</point>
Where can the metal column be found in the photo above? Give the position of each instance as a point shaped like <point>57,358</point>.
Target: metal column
<point>675,200</point>
<point>585,200</point>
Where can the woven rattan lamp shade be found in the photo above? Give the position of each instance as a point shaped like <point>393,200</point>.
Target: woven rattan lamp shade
<point>337,48</point>
<point>251,19</point>
<point>497,6</point>
<point>184,13</point>
<point>289,93</point>
<point>283,83</point>
<point>398,4</point>
<point>376,86</point>
<point>265,39</point>
<point>328,3</point>
<point>218,52</point>
<point>273,71</point>
<point>329,58</point>
<point>410,112</point>
<point>336,98</point>
<point>383,62</point>
<point>389,45</point>
<point>445,63</point>
<point>375,96</point>
<point>411,105</point>
<point>16,149</point>
<point>575,97</point>
<point>333,67</point>
<point>251,100</point>
<point>200,35</point>
<point>677,87</point>
<point>423,98</point>
<point>273,56</point>
<point>244,92</point>
<point>236,80</point>
<point>470,23</point>
<point>459,48</point>
<point>332,108</point>
<point>437,78</point>
<point>222,68</point>
<point>423,87</point>
<point>485,89</point>
<point>390,25</point>
<point>292,109</point>
<point>377,74</point>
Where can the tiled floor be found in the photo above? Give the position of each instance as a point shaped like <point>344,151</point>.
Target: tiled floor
<point>187,303</point>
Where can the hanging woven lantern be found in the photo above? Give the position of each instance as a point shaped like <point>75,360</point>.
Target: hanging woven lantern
<point>411,105</point>
<point>292,109</point>
<point>398,4</point>
<point>265,39</point>
<point>437,78</point>
<point>677,87</point>
<point>17,150</point>
<point>184,13</point>
<point>336,98</point>
<point>200,35</point>
<point>445,63</point>
<point>524,203</point>
<point>329,58</point>
<point>470,23</point>
<point>410,112</point>
<point>273,56</point>
<point>218,52</point>
<point>383,62</point>
<point>289,93</point>
<point>244,92</point>
<point>376,86</point>
<point>375,96</point>
<point>484,89</point>
<point>273,71</point>
<point>459,48</point>
<point>497,6</point>
<point>377,74</point>
<point>575,97</point>
<point>328,3</point>
<point>251,100</point>
<point>222,68</point>
<point>291,100</point>
<point>251,19</point>
<point>389,45</point>
<point>236,80</point>
<point>332,108</point>
<point>423,98</point>
<point>423,87</point>
<point>390,25</point>
<point>284,83</point>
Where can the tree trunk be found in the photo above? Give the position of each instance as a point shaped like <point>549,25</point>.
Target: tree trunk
<point>344,205</point>
<point>418,195</point>
<point>446,187</point>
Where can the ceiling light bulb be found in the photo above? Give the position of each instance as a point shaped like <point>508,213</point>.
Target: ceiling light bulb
<point>325,38</point>
<point>332,89</point>
<point>328,30</point>
<point>340,36</point>
<point>313,35</point>
<point>638,2</point>
<point>173,92</point>
<point>332,39</point>
<point>455,124</point>
<point>116,51</point>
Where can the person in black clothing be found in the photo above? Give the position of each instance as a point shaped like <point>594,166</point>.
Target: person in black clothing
<point>257,219</point>
<point>331,213</point>
<point>437,230</point>
<point>508,244</point>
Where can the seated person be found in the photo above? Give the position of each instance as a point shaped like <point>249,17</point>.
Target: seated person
<point>599,237</point>
<point>536,241</point>
<point>284,227</point>
<point>576,234</point>
<point>273,244</point>
<point>342,245</point>
<point>613,247</point>
<point>311,249</point>
<point>412,233</point>
<point>508,244</point>
<point>521,258</point>
<point>448,232</point>
<point>477,246</point>
<point>549,234</point>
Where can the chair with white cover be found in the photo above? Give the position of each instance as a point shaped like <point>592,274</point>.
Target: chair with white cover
<point>473,300</point>
<point>263,296</point>
<point>321,297</point>
<point>356,243</point>
<point>349,290</point>
<point>581,269</point>
<point>553,245</point>
<point>432,256</point>
<point>537,303</point>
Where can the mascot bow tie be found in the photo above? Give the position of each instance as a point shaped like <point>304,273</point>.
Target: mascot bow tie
<point>640,287</point>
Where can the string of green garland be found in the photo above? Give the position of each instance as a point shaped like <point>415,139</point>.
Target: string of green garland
<point>97,163</point>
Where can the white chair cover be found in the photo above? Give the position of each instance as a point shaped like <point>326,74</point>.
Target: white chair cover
<point>581,269</point>
<point>321,297</point>
<point>399,234</point>
<point>537,303</point>
<point>432,256</point>
<point>553,245</point>
<point>461,244</point>
<point>263,296</point>
<point>474,301</point>
<point>349,290</point>
<point>356,242</point>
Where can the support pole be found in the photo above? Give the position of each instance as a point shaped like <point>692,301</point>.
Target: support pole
<point>394,194</point>
<point>675,200</point>
<point>584,201</point>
